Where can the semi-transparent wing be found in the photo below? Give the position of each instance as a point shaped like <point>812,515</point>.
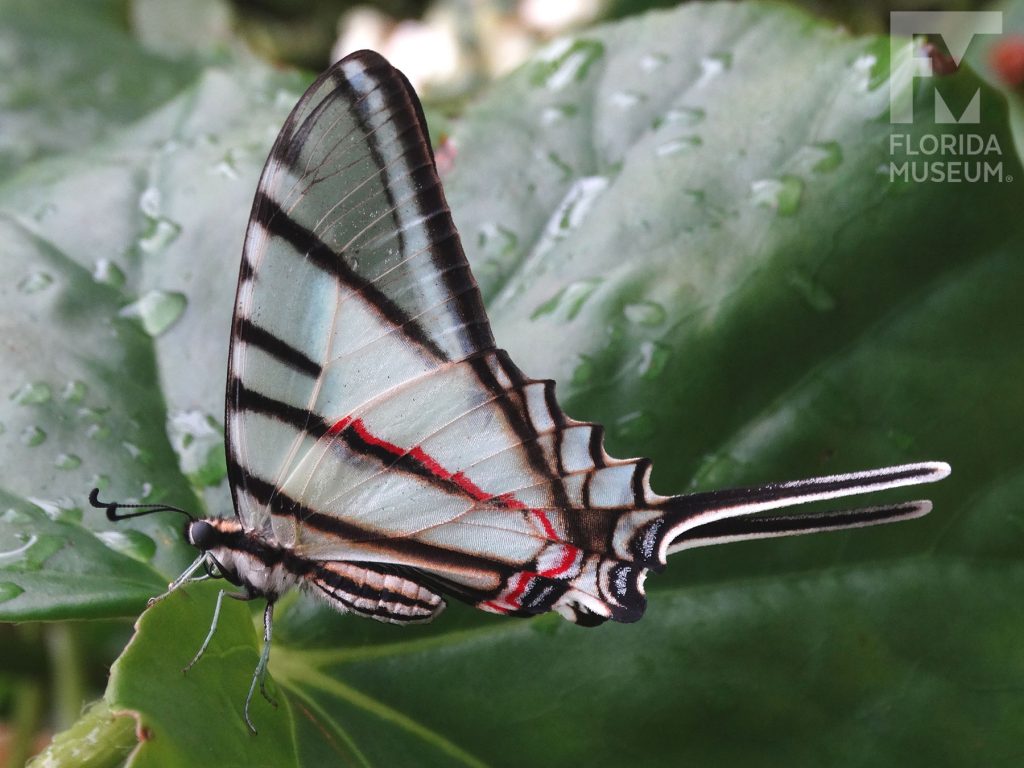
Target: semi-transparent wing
<point>352,282</point>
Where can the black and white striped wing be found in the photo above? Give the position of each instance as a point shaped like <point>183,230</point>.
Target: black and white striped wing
<point>371,420</point>
<point>352,280</point>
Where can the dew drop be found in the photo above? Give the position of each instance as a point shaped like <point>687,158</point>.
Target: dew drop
<point>134,544</point>
<point>654,356</point>
<point>74,391</point>
<point>552,115</point>
<point>9,590</point>
<point>676,146</point>
<point>30,551</point>
<point>711,67</point>
<point>141,455</point>
<point>626,99</point>
<point>653,61</point>
<point>814,294</point>
<point>97,431</point>
<point>198,439</point>
<point>782,194</point>
<point>649,313</point>
<point>228,165</point>
<point>35,282</point>
<point>156,310</point>
<point>871,68</point>
<point>33,393</point>
<point>830,157</point>
<point>67,461</point>
<point>100,481</point>
<point>495,240</point>
<point>158,234</point>
<point>578,200</point>
<point>95,415</point>
<point>12,516</point>
<point>565,62</point>
<point>107,272</point>
<point>32,436</point>
<point>149,202</point>
<point>568,301</point>
<point>44,211</point>
<point>685,117</point>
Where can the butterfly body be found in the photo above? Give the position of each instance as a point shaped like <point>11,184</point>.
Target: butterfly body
<point>265,569</point>
<point>383,452</point>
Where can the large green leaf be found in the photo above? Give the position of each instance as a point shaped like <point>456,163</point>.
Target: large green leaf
<point>686,219</point>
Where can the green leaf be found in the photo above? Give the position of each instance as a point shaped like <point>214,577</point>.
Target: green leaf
<point>687,220</point>
<point>72,74</point>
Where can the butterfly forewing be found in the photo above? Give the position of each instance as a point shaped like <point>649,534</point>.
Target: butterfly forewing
<point>352,280</point>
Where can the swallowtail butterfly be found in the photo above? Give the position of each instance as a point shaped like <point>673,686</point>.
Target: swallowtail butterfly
<point>383,451</point>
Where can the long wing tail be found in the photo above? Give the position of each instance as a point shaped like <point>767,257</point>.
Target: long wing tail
<point>716,517</point>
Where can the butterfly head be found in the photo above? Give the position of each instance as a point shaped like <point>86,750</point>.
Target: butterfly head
<point>202,535</point>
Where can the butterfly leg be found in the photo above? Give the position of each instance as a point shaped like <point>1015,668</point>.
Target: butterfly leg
<point>213,626</point>
<point>260,675</point>
<point>185,576</point>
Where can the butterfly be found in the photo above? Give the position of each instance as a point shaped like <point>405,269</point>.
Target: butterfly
<point>383,452</point>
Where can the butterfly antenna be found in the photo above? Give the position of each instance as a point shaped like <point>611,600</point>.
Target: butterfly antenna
<point>112,508</point>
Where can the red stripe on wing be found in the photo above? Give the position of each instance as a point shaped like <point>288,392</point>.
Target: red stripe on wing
<point>512,599</point>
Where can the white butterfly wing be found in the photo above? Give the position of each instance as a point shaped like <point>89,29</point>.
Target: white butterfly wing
<point>341,295</point>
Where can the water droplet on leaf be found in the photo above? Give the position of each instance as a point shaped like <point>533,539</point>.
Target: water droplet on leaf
<point>684,117</point>
<point>33,393</point>
<point>30,551</point>
<point>676,146</point>
<point>35,282</point>
<point>831,156</point>
<point>570,300</point>
<point>654,356</point>
<point>649,313</point>
<point>9,590</point>
<point>129,542</point>
<point>816,296</point>
<point>653,61</point>
<point>74,391</point>
<point>198,439</point>
<point>67,461</point>
<point>107,272</point>
<point>32,436</point>
<point>158,234</point>
<point>551,115</point>
<point>626,99</point>
<point>156,310</point>
<point>782,194</point>
<point>149,202</point>
<point>711,67</point>
<point>565,62</point>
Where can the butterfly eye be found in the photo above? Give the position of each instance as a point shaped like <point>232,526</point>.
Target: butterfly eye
<point>202,535</point>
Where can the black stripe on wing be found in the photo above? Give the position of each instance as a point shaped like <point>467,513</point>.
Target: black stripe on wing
<point>307,245</point>
<point>248,332</point>
<point>245,399</point>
